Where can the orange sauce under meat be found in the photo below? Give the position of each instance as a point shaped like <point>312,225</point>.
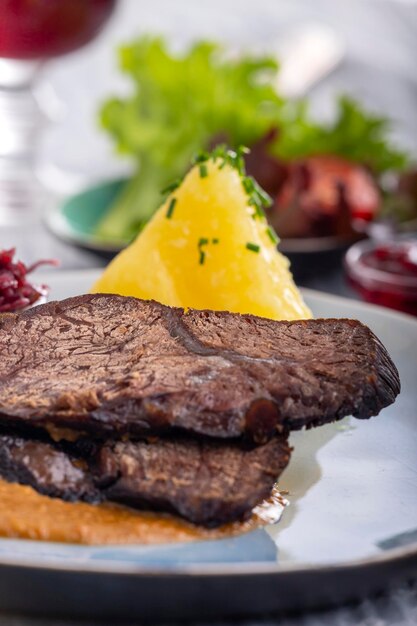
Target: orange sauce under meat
<point>26,514</point>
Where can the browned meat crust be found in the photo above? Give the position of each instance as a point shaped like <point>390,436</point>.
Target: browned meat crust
<point>113,365</point>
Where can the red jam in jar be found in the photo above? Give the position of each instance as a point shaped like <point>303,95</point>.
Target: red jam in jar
<point>385,273</point>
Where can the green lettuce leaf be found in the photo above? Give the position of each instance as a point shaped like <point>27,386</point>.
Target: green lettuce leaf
<point>182,103</point>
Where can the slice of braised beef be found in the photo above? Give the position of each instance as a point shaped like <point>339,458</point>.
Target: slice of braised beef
<point>110,365</point>
<point>205,481</point>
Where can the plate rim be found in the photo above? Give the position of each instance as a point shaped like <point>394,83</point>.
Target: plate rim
<point>209,570</point>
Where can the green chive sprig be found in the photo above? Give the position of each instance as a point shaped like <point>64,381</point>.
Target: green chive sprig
<point>202,242</point>
<point>257,197</point>
<point>172,186</point>
<point>272,235</point>
<point>171,208</point>
<point>222,155</point>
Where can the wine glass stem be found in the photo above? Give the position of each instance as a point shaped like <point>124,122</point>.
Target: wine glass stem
<point>21,122</point>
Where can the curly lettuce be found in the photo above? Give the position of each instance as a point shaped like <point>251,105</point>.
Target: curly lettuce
<point>181,103</point>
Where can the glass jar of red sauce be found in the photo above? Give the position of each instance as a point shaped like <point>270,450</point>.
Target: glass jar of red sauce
<point>385,273</point>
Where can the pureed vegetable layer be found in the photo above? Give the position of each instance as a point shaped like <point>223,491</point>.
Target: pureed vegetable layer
<point>209,247</point>
<point>29,515</point>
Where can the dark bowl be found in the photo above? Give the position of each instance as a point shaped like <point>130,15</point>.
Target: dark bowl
<point>315,255</point>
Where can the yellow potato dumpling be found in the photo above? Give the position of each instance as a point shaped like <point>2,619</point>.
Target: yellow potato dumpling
<point>206,249</point>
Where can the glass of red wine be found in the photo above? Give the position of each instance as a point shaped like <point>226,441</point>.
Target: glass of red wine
<point>31,32</point>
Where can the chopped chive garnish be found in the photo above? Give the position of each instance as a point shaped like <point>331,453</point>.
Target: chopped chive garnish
<point>262,195</point>
<point>272,235</point>
<point>248,184</point>
<point>172,187</point>
<point>204,241</point>
<point>201,157</point>
<point>240,165</point>
<point>171,208</point>
<point>257,211</point>
<point>223,156</point>
<point>253,247</point>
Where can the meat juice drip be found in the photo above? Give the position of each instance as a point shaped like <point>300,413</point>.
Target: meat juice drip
<point>25,514</point>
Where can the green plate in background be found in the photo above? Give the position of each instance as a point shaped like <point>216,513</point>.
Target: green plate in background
<point>75,219</point>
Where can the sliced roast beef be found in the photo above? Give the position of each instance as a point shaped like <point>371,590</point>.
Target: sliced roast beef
<point>45,468</point>
<point>207,482</point>
<point>116,365</point>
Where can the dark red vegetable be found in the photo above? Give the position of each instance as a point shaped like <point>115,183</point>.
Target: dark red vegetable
<point>16,292</point>
<point>269,172</point>
<point>322,195</point>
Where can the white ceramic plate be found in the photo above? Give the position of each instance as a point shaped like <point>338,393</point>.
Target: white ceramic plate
<point>353,508</point>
